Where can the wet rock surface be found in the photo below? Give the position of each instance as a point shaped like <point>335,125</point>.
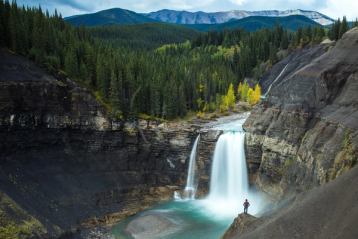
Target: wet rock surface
<point>305,133</point>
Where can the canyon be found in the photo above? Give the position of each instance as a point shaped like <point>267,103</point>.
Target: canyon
<point>66,164</point>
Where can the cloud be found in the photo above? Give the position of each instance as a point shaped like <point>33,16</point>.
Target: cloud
<point>237,2</point>
<point>66,7</point>
<point>339,8</point>
<point>278,4</point>
<point>83,6</point>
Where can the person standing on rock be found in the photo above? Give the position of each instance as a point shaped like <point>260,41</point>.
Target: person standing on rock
<point>246,206</point>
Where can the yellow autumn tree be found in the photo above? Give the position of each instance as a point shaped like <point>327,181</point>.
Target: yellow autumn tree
<point>224,104</point>
<point>231,99</point>
<point>244,90</point>
<point>257,93</point>
<point>251,96</point>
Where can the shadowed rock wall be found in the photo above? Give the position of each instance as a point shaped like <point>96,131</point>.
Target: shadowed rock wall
<point>63,161</point>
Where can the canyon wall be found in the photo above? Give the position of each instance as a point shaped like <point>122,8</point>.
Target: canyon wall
<point>305,132</point>
<point>64,162</point>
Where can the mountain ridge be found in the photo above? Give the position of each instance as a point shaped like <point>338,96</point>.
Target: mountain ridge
<point>109,17</point>
<point>254,23</point>
<point>200,17</point>
<point>124,17</point>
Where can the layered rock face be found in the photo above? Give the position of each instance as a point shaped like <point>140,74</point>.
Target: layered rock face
<point>63,161</point>
<point>305,132</point>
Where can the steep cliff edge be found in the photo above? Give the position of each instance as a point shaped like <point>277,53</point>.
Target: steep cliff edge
<point>305,132</point>
<point>63,162</point>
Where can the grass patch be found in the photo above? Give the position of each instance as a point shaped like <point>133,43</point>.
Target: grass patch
<point>15,222</point>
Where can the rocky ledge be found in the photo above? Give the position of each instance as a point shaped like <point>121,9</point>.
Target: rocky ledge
<point>242,224</point>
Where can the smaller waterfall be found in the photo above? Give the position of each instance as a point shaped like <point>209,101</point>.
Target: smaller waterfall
<point>190,188</point>
<point>277,78</point>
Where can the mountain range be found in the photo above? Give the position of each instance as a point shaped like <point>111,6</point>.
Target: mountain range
<point>184,17</point>
<point>257,22</point>
<point>290,19</point>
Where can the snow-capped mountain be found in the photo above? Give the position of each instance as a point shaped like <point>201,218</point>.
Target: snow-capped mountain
<point>184,17</point>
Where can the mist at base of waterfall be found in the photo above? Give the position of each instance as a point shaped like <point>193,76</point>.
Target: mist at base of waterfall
<point>188,219</point>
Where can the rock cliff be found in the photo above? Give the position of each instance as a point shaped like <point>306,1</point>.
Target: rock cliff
<point>65,162</point>
<point>305,132</point>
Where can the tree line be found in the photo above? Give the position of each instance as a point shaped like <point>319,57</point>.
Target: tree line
<point>338,28</point>
<point>167,81</point>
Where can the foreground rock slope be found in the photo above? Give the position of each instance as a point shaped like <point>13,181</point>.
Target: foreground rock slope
<point>305,133</point>
<point>329,211</point>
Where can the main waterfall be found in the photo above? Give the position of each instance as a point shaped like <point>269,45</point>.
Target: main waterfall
<point>229,180</point>
<point>229,184</point>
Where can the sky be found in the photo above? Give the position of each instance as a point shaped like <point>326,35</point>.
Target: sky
<point>332,8</point>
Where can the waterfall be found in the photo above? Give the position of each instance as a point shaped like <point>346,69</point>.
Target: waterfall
<point>190,188</point>
<point>229,178</point>
<point>229,185</point>
<point>277,78</point>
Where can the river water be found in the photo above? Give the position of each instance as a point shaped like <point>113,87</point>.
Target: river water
<point>209,217</point>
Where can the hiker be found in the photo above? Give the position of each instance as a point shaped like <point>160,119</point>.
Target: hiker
<point>246,206</point>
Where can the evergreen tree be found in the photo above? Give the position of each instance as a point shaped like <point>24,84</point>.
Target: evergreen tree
<point>103,77</point>
<point>71,64</point>
<point>115,92</point>
<point>284,43</point>
<point>343,28</point>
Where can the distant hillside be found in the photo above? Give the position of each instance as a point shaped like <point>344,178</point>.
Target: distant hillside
<point>109,17</point>
<point>146,35</point>
<point>184,17</point>
<point>255,23</point>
